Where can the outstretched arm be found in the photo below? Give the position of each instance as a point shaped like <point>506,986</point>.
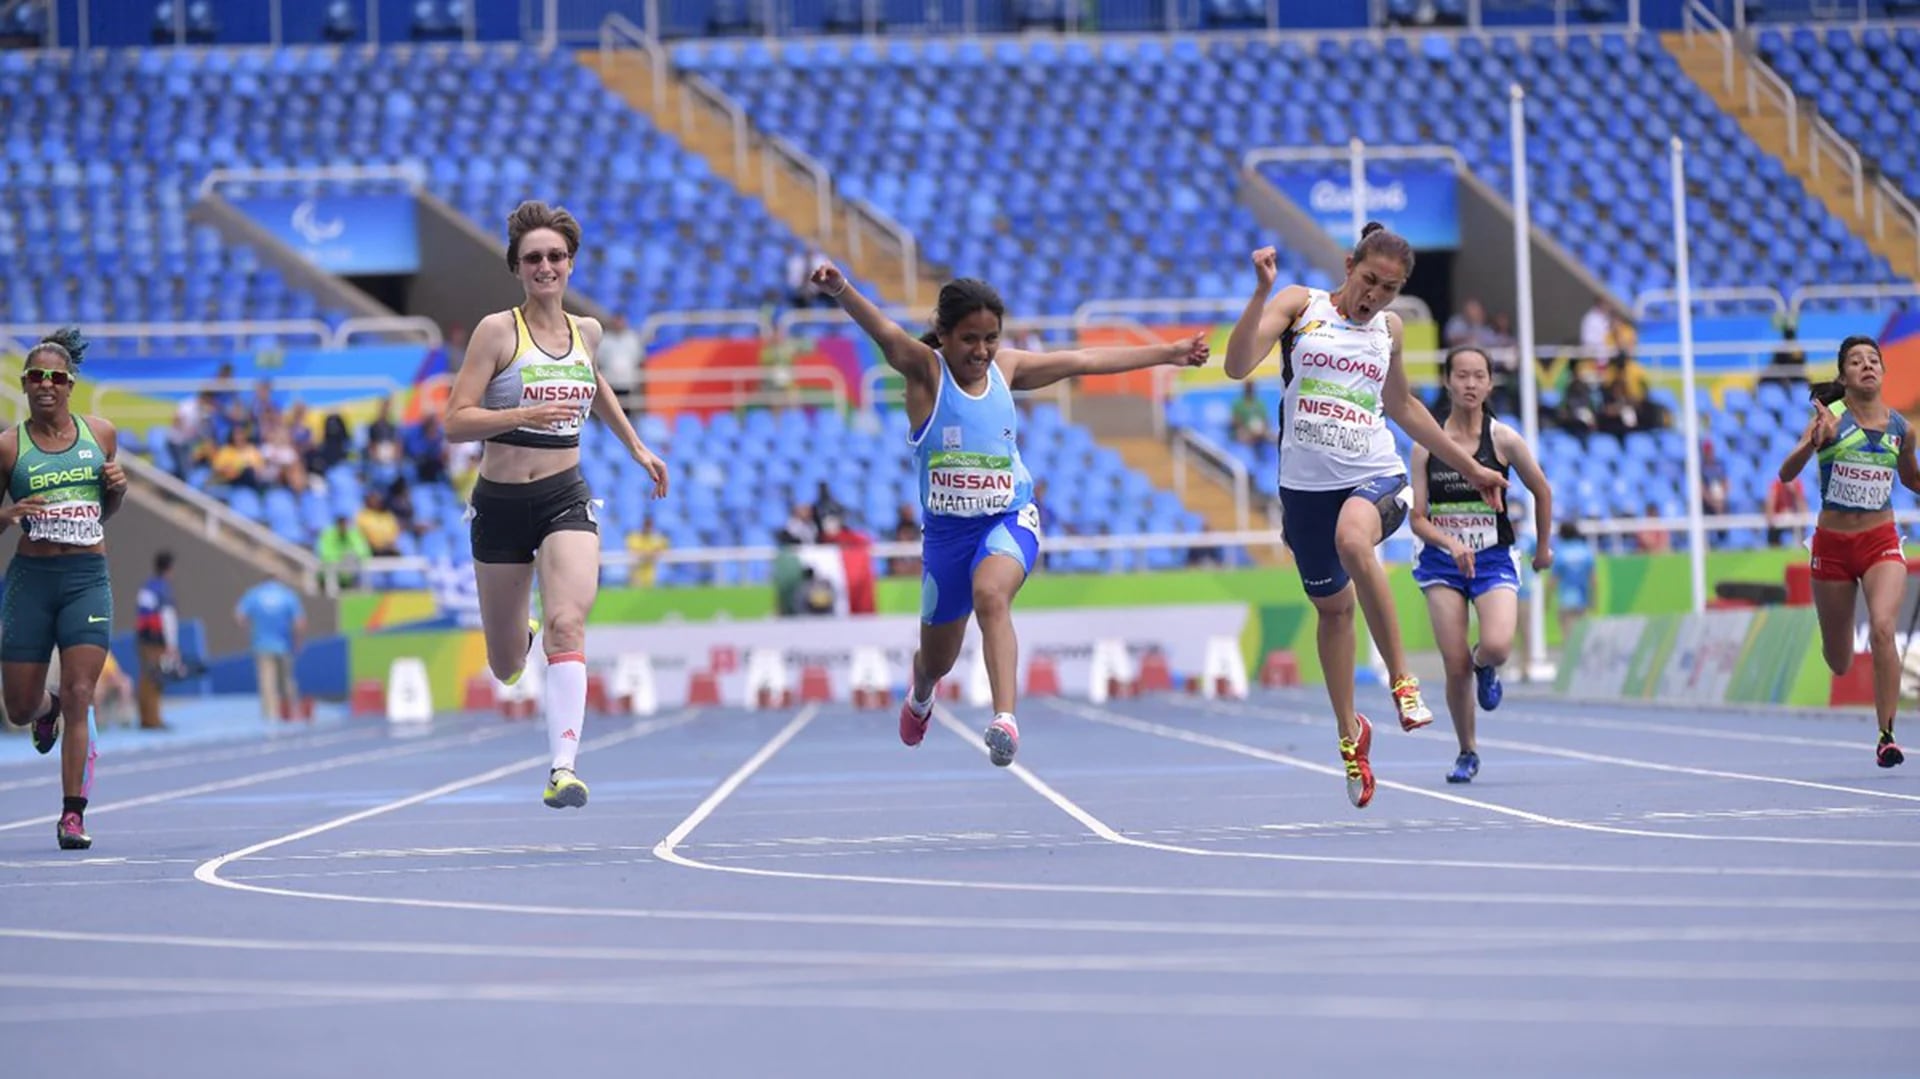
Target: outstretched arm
<point>1419,424</point>
<point>1033,370</point>
<point>903,351</point>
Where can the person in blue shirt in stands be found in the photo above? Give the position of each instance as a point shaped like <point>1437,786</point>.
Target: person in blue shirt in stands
<point>272,613</point>
<point>156,631</point>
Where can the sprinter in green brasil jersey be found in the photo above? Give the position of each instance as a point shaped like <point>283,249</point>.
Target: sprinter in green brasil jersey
<point>63,485</point>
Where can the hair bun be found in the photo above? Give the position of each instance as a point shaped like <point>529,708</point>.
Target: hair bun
<point>69,339</point>
<point>1370,228</point>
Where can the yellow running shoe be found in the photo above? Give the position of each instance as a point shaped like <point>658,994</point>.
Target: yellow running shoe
<point>564,789</point>
<point>533,630</point>
<point>1414,713</point>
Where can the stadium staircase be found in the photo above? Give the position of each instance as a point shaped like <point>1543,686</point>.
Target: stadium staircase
<point>1762,114</point>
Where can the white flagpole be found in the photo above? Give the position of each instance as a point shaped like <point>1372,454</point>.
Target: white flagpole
<point>1690,419</point>
<point>1536,658</point>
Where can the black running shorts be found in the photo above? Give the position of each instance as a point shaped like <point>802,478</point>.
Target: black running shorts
<point>508,521</point>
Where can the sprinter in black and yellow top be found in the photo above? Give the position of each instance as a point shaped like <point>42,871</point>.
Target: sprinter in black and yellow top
<point>63,485</point>
<point>526,388</point>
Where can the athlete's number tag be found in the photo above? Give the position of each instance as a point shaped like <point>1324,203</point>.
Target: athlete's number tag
<point>1478,531</point>
<point>1030,519</point>
<point>969,484</point>
<point>1860,486</point>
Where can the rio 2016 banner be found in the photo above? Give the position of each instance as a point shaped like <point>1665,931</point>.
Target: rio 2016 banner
<point>343,234</point>
<point>1418,200</point>
<point>1764,655</point>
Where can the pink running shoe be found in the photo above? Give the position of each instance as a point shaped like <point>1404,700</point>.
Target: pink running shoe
<point>1003,741</point>
<point>72,833</point>
<point>913,726</point>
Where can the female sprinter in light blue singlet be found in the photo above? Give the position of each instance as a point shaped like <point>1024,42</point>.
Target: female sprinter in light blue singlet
<point>1863,446</point>
<point>982,531</point>
<point>1343,487</point>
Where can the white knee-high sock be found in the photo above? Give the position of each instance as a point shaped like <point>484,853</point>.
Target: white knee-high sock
<point>566,687</point>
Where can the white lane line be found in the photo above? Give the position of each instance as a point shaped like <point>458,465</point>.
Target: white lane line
<point>384,753</point>
<point>208,872</point>
<point>1373,1007</point>
<point>1181,734</point>
<point>1291,961</point>
<point>1297,718</point>
<point>112,768</point>
<point>1680,769</point>
<point>664,850</point>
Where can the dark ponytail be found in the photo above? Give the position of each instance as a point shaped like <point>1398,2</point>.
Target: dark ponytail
<point>1375,239</point>
<point>67,342</point>
<point>958,299</point>
<point>1832,390</point>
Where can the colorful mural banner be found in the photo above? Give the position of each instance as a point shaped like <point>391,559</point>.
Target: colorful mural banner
<point>1743,656</point>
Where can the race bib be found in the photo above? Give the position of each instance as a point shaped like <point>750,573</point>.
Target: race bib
<point>1335,418</point>
<point>558,383</point>
<point>1472,523</point>
<point>1858,485</point>
<point>75,524</point>
<point>969,484</point>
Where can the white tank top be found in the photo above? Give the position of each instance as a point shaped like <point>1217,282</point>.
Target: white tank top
<point>536,377</point>
<point>1333,431</point>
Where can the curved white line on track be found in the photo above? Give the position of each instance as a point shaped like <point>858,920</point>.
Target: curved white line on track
<point>208,872</point>
<point>1181,734</point>
<point>667,850</point>
<point>148,761</point>
<point>384,753</point>
<point>1252,712</point>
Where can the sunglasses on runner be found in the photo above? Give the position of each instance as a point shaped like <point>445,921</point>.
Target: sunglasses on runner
<point>42,374</point>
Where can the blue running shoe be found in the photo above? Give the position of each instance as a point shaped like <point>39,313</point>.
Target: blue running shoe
<point>1465,766</point>
<point>1487,687</point>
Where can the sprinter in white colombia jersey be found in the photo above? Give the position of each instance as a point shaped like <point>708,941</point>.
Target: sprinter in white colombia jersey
<point>1343,487</point>
<point>525,388</point>
<point>982,530</point>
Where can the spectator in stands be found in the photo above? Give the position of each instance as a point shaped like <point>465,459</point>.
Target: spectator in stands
<point>906,529</point>
<point>298,426</point>
<point>239,462</point>
<point>1620,409</point>
<point>619,360</point>
<point>1580,405</point>
<point>1788,367</point>
<point>789,574</point>
<point>281,464</point>
<point>336,445</point>
<point>264,413</point>
<point>1713,482</point>
<point>399,502</point>
<point>425,444</point>
<point>379,525</point>
<point>383,435</point>
<point>463,469</point>
<point>825,506</point>
<point>800,526</point>
<point>1573,561</point>
<point>856,555</point>
<point>156,634</point>
<point>1784,498</point>
<point>341,549</point>
<point>1249,421</point>
<point>1653,539</point>
<point>1469,327</point>
<point>271,613</point>
<point>645,546</point>
<point>192,427</point>
<point>1596,331</point>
